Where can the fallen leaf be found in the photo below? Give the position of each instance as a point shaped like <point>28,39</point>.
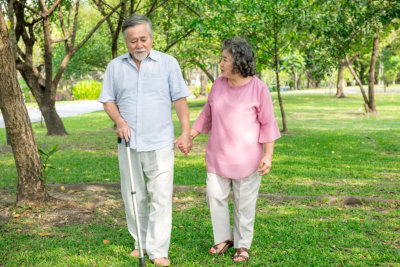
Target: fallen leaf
<point>62,188</point>
<point>44,234</point>
<point>105,241</point>
<point>74,190</point>
<point>66,169</point>
<point>16,215</point>
<point>90,206</point>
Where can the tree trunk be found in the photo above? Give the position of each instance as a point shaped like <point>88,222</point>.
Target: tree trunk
<point>203,84</point>
<point>46,105</point>
<point>296,80</point>
<point>298,83</point>
<point>206,72</point>
<point>276,59</point>
<point>371,78</point>
<point>31,187</point>
<point>342,65</point>
<point>366,106</point>
<point>340,81</point>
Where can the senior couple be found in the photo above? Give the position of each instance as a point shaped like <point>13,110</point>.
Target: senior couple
<point>138,90</point>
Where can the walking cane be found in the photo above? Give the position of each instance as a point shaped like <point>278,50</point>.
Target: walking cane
<point>135,209</point>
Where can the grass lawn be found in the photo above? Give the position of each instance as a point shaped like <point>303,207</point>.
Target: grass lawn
<point>332,151</point>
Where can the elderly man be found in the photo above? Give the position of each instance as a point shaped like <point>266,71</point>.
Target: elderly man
<point>137,93</point>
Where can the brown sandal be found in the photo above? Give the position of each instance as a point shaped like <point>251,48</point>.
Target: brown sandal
<point>239,256</point>
<point>228,243</point>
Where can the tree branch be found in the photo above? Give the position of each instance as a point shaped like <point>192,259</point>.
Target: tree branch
<point>95,28</point>
<point>177,40</point>
<point>191,9</point>
<point>28,7</point>
<point>209,75</point>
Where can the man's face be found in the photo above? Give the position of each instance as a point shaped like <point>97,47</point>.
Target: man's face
<point>138,41</point>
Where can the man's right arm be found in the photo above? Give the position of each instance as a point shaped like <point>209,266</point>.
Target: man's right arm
<point>123,129</point>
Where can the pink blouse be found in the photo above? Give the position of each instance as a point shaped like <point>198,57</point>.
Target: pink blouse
<point>239,120</point>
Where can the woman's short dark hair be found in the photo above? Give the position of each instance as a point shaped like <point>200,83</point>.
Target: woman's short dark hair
<point>242,54</point>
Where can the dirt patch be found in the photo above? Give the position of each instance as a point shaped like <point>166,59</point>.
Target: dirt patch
<point>76,203</point>
<point>67,206</point>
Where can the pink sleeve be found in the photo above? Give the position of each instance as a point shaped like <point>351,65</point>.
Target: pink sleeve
<point>203,122</point>
<point>269,130</point>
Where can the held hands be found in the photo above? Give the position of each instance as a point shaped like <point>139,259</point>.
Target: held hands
<point>265,166</point>
<point>184,143</point>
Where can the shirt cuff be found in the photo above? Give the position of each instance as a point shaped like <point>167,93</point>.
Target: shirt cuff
<point>269,133</point>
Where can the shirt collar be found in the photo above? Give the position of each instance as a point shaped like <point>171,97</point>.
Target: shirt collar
<point>153,55</point>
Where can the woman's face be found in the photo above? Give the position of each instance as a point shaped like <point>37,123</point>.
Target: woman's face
<point>226,64</point>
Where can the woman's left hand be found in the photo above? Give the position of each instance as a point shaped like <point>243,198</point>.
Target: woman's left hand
<point>265,166</point>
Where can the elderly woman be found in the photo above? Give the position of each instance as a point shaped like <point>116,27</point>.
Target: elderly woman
<point>240,120</point>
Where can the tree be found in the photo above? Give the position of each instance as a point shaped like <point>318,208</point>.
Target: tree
<point>31,186</point>
<point>390,59</point>
<point>340,81</point>
<point>273,27</point>
<point>294,64</point>
<point>37,17</point>
<point>347,26</point>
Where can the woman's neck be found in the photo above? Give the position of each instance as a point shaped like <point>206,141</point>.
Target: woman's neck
<point>238,80</point>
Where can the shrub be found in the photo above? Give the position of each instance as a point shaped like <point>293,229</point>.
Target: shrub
<point>86,89</point>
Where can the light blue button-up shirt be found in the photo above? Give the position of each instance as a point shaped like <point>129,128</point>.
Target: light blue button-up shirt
<point>144,98</point>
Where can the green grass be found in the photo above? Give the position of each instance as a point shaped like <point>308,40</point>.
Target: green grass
<point>332,150</point>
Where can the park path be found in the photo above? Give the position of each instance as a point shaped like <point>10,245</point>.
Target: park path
<point>64,109</point>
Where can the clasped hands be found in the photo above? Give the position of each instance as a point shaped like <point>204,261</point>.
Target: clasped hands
<point>184,143</point>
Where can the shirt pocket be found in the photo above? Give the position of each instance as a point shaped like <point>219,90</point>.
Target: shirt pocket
<point>155,83</point>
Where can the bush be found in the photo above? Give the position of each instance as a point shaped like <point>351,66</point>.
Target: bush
<point>86,90</point>
<point>196,89</point>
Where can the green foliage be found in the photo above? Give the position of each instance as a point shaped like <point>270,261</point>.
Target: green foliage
<point>196,89</point>
<point>86,90</point>
<point>45,154</point>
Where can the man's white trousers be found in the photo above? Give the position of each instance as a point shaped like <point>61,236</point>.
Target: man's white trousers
<point>155,213</point>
